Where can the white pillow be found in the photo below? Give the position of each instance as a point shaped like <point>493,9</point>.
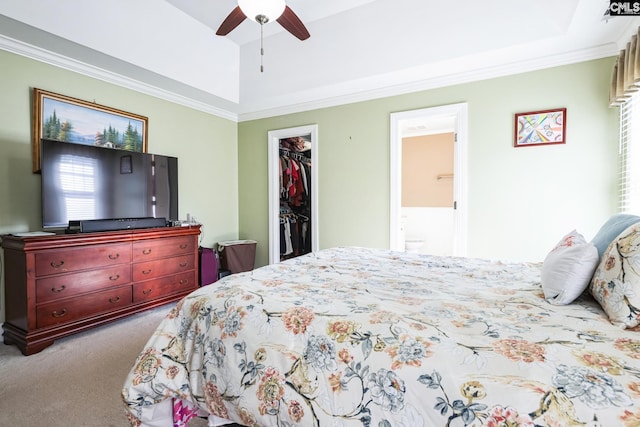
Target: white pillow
<point>568,268</point>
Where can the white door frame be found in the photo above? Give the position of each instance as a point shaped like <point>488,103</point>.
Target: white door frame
<point>459,111</point>
<point>274,138</point>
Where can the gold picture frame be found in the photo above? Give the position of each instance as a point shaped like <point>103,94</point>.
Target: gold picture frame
<point>63,118</point>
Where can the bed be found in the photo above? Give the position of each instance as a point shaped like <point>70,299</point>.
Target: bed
<point>370,337</point>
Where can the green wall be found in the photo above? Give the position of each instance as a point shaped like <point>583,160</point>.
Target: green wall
<point>206,146</point>
<point>521,200</point>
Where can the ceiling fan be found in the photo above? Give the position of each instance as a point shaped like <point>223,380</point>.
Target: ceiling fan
<point>263,11</point>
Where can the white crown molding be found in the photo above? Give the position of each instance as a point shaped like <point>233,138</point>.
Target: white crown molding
<point>466,76</point>
<point>381,86</point>
<point>61,61</point>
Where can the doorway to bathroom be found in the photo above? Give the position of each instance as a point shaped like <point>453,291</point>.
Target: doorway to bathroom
<point>428,192</point>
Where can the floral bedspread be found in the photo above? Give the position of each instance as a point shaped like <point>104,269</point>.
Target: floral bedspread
<point>365,337</point>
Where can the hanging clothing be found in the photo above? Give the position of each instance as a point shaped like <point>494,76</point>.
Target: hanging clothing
<point>295,202</point>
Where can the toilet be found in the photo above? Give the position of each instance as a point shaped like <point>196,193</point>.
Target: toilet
<point>413,246</point>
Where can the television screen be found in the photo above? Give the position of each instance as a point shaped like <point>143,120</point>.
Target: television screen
<point>86,182</point>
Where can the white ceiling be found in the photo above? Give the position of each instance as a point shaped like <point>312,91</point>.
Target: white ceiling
<point>358,49</point>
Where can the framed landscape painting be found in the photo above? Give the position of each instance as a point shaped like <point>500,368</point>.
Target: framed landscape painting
<point>67,119</point>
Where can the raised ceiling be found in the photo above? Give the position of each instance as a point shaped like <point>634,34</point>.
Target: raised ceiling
<point>358,50</point>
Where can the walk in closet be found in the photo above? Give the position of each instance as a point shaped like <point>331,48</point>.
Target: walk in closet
<point>295,197</point>
<point>293,193</point>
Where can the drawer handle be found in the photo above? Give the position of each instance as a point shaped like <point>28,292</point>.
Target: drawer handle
<point>146,251</point>
<point>114,278</point>
<point>60,314</point>
<point>183,264</point>
<point>116,256</point>
<point>60,289</point>
<point>146,291</point>
<point>57,264</point>
<point>184,281</point>
<point>146,271</point>
<point>184,246</point>
<point>114,300</point>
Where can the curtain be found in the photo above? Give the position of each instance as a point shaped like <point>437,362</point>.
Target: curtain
<point>625,93</point>
<point>625,78</point>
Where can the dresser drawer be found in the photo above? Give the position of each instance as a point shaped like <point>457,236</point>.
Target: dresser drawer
<point>162,267</point>
<point>68,310</point>
<point>67,285</point>
<point>81,258</point>
<point>163,248</point>
<point>146,291</point>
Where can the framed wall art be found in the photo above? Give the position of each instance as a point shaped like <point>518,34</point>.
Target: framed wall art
<point>67,119</point>
<point>543,127</point>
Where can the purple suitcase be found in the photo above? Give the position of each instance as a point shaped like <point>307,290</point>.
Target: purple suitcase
<point>208,266</point>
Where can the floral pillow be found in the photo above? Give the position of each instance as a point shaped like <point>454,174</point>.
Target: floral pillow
<point>568,268</point>
<point>616,282</point>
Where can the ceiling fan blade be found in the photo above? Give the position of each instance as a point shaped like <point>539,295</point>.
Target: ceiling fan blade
<point>290,22</point>
<point>234,19</point>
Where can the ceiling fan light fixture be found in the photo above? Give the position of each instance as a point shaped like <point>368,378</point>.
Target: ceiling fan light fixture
<point>258,10</point>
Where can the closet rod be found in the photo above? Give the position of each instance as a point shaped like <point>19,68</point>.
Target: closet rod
<point>294,155</point>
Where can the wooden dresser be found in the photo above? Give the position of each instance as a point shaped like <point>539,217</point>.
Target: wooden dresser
<point>60,285</point>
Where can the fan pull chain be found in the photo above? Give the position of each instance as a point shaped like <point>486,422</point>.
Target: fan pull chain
<point>261,19</point>
<point>261,48</point>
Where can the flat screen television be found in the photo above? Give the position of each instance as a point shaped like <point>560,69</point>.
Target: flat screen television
<point>87,182</point>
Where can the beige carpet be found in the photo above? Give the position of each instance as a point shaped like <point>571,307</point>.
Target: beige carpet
<point>77,380</point>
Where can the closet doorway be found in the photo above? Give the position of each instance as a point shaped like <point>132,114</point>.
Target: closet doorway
<point>441,229</point>
<point>293,192</point>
